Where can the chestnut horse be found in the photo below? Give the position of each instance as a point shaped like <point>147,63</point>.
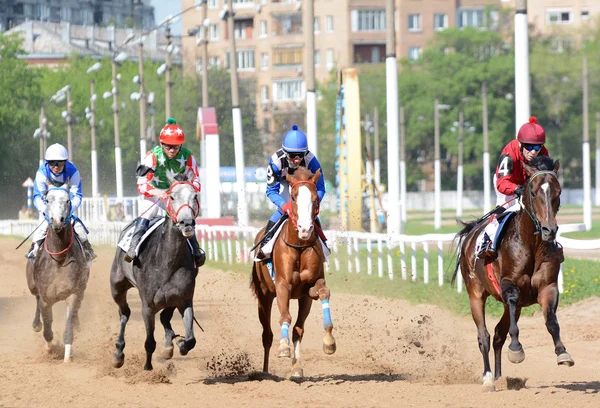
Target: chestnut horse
<point>525,272</point>
<point>298,273</point>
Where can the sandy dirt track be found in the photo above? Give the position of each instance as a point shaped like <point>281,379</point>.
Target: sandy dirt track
<point>390,353</point>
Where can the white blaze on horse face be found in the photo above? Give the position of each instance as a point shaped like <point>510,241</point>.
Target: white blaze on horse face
<point>305,212</point>
<point>58,206</point>
<point>546,189</point>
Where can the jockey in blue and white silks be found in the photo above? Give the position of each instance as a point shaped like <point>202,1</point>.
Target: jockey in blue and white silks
<point>57,171</point>
<point>294,153</point>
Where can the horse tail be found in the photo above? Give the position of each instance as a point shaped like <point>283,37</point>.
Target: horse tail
<point>458,240</point>
<point>254,280</point>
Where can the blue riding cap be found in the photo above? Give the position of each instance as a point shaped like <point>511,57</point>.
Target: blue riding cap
<point>295,141</point>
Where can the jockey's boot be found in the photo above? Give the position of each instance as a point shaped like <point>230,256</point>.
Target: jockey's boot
<point>141,226</point>
<point>266,238</point>
<point>199,255</point>
<point>487,249</point>
<point>33,251</point>
<point>89,251</point>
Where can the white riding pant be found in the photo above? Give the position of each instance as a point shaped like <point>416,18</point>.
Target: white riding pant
<point>40,233</point>
<point>501,200</point>
<point>150,206</point>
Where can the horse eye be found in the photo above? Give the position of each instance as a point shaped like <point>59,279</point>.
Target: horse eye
<point>293,198</point>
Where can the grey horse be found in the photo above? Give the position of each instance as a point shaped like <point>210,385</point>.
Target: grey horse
<point>59,272</point>
<point>164,274</point>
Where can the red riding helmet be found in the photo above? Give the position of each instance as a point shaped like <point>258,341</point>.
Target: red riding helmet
<point>532,133</point>
<point>171,134</point>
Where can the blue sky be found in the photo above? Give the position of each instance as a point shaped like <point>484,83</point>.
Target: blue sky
<point>163,8</point>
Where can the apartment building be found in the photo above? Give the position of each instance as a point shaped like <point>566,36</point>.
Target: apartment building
<point>270,41</point>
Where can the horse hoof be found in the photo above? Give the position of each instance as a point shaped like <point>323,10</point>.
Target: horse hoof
<point>297,373</point>
<point>36,327</point>
<point>284,350</point>
<point>168,353</point>
<point>118,363</point>
<point>565,359</point>
<point>329,348</point>
<point>148,367</point>
<point>488,383</point>
<point>516,357</point>
<point>67,360</point>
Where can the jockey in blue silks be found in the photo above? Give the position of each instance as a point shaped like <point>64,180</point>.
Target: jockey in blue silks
<point>57,171</point>
<point>294,153</point>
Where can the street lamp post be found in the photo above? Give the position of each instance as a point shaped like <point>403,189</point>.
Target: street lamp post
<point>437,165</point>
<point>311,96</point>
<point>486,151</point>
<point>142,98</point>
<point>242,208</point>
<point>587,177</point>
<point>459,167</point>
<point>91,115</point>
<point>59,96</point>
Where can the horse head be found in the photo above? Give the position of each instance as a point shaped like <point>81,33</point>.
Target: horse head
<point>58,211</point>
<point>182,203</point>
<point>305,201</point>
<point>541,199</point>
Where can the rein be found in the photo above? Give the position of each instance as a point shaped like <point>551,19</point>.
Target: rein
<point>64,250</point>
<point>301,247</point>
<point>169,203</point>
<point>531,213</point>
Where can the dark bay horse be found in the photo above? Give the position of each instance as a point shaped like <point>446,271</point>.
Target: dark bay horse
<point>164,274</point>
<point>59,272</point>
<point>299,274</point>
<point>525,272</point>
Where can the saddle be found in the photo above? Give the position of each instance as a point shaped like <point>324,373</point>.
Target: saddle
<point>127,234</point>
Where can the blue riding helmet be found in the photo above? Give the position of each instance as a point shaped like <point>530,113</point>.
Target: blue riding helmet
<point>295,141</point>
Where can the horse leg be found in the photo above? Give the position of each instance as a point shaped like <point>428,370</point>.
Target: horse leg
<point>548,299</point>
<point>483,337</point>
<point>185,345</point>
<point>283,290</point>
<point>165,319</point>
<point>510,294</point>
<point>120,299</point>
<point>265,304</point>
<point>73,304</point>
<point>37,324</point>
<point>321,291</point>
<point>150,343</point>
<point>500,334</point>
<point>46,312</point>
<point>304,305</point>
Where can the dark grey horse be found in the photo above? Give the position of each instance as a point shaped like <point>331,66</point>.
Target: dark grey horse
<point>165,275</point>
<point>59,272</point>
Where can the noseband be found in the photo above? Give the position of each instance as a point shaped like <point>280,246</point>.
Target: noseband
<point>169,203</point>
<point>531,214</point>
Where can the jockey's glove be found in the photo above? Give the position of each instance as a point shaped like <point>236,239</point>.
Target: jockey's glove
<point>520,190</point>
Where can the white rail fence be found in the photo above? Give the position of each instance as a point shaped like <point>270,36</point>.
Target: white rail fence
<point>402,256</point>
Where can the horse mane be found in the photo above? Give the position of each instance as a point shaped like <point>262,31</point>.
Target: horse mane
<point>542,163</point>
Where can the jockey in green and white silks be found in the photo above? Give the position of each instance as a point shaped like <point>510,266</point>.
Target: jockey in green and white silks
<point>57,171</point>
<point>152,183</point>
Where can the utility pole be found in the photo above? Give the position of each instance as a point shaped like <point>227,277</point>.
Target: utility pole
<point>142,102</point>
<point>437,196</point>
<point>597,159</point>
<point>93,131</point>
<point>69,124</point>
<point>309,69</point>
<point>522,83</point>
<point>403,200</point>
<point>238,141</point>
<point>394,219</point>
<point>486,151</point>
<point>118,158</point>
<point>587,177</point>
<point>204,46</point>
<point>168,83</point>
<point>459,167</point>
<point>377,161</point>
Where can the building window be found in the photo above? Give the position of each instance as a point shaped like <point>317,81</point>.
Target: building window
<point>214,32</point>
<point>585,14</point>
<point>283,57</point>
<point>414,53</point>
<point>214,62</point>
<point>440,22</point>
<point>329,59</point>
<point>329,23</point>
<point>264,60</point>
<point>368,20</point>
<point>414,22</point>
<point>263,29</point>
<point>317,58</point>
<point>316,25</point>
<point>243,29</point>
<point>212,4</point>
<point>559,16</point>
<point>288,90</point>
<point>264,93</point>
<point>246,3</point>
<point>245,60</point>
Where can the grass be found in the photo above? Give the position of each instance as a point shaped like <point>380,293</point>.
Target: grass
<point>594,233</point>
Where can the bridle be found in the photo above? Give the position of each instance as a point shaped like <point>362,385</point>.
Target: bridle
<point>169,203</point>
<point>294,218</point>
<point>532,214</point>
<point>65,222</point>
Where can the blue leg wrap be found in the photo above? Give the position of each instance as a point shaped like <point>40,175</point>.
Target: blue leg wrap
<point>284,330</point>
<point>326,313</point>
<point>270,268</point>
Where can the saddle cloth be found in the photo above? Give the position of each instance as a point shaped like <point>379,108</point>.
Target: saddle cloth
<point>127,234</point>
<point>268,249</point>
<point>503,221</point>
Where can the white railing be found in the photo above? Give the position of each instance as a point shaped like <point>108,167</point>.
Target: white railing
<point>353,252</point>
